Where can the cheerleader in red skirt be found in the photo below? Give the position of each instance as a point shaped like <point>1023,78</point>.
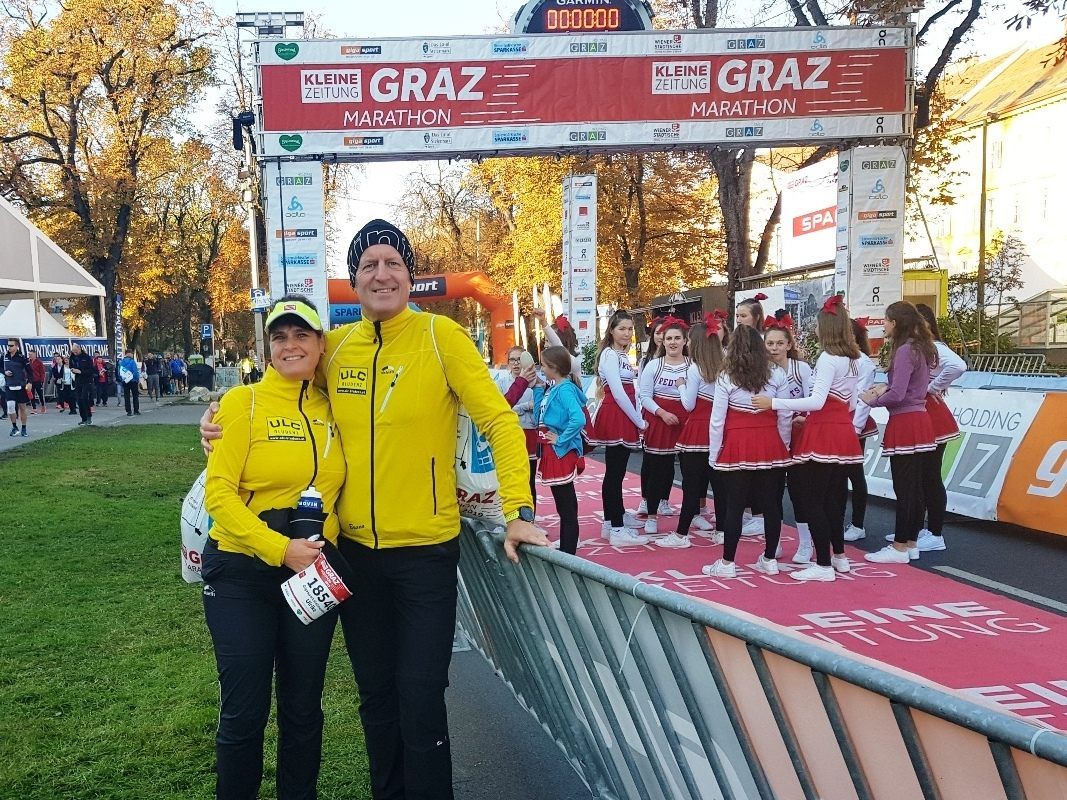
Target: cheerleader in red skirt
<point>865,428</point>
<point>660,390</point>
<point>617,424</point>
<point>826,442</point>
<point>750,312</point>
<point>698,391</point>
<point>653,350</point>
<point>515,386</point>
<point>782,348</point>
<point>748,446</point>
<point>949,367</point>
<point>908,440</point>
<point>561,417</point>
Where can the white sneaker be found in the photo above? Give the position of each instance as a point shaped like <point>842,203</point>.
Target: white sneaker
<point>813,572</point>
<point>702,524</point>
<point>666,509</point>
<point>803,555</point>
<point>927,541</point>
<point>631,521</point>
<point>715,537</point>
<point>746,518</point>
<point>888,555</point>
<point>778,550</point>
<point>840,563</point>
<point>651,526</point>
<point>913,553</point>
<point>642,509</point>
<point>720,569</point>
<point>889,537</point>
<point>754,527</point>
<point>768,566</point>
<point>623,537</point>
<point>854,534</point>
<point>673,540</point>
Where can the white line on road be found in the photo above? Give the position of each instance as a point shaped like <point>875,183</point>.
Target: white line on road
<point>1003,587</point>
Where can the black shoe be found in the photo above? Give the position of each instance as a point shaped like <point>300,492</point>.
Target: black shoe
<point>137,413</point>
<point>14,432</point>
<point>72,414</point>
<point>129,413</point>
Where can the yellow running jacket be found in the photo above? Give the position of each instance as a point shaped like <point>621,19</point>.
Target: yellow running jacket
<point>275,440</point>
<point>395,388</point>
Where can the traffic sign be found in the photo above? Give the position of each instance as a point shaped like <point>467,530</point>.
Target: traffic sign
<point>206,331</point>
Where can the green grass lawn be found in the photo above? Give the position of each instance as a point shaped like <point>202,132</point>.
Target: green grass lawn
<point>107,677</point>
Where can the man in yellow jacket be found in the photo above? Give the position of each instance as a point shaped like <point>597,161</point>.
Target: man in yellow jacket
<point>395,382</point>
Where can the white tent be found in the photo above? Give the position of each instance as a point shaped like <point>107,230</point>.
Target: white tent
<point>17,320</point>
<point>33,267</point>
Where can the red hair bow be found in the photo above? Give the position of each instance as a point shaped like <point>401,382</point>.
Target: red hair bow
<point>760,297</point>
<point>561,322</point>
<point>862,321</point>
<point>720,315</point>
<point>711,323</point>
<point>783,324</point>
<point>668,321</point>
<point>831,304</point>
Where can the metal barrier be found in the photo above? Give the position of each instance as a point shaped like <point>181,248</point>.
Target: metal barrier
<point>1009,363</point>
<point>652,694</point>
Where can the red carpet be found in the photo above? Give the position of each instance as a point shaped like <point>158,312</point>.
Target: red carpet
<point>952,633</point>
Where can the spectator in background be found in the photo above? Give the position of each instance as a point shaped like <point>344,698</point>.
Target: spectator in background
<point>16,369</point>
<point>59,372</point>
<point>164,374</point>
<point>178,372</point>
<point>152,368</point>
<point>100,383</point>
<point>81,367</point>
<point>38,375</point>
<point>130,378</point>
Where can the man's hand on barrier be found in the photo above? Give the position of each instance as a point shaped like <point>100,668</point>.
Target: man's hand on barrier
<point>208,429</point>
<point>522,532</point>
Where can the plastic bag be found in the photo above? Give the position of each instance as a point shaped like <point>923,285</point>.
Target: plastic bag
<point>195,524</point>
<point>477,488</point>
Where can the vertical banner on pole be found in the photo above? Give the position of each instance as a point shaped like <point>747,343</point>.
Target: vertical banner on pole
<point>844,223</point>
<point>579,254</point>
<point>296,231</point>
<point>876,235</point>
<point>120,332</point>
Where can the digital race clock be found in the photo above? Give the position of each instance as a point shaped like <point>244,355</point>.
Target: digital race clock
<point>582,16</point>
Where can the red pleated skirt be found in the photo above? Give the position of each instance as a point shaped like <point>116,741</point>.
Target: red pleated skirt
<point>611,426</point>
<point>870,428</point>
<point>661,438</point>
<point>554,470</point>
<point>907,434</point>
<point>828,436</point>
<point>945,427</point>
<point>751,441</point>
<point>694,435</point>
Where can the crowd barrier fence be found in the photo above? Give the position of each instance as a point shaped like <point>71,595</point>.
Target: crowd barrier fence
<point>652,694</point>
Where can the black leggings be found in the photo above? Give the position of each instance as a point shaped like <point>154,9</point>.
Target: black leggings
<point>533,481</point>
<point>567,508</point>
<point>912,474</point>
<point>696,474</point>
<point>660,468</point>
<point>823,487</point>
<point>858,478</point>
<point>616,457</point>
<point>763,486</point>
<point>934,492</point>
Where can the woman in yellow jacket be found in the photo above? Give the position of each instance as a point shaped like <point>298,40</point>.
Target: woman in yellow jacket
<point>280,446</point>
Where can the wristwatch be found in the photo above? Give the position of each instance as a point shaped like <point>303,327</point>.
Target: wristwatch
<point>525,513</point>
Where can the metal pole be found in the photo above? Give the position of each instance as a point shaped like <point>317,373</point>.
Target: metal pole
<point>980,311</point>
<point>253,242</point>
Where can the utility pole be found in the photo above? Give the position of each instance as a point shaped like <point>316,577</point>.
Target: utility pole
<point>980,293</point>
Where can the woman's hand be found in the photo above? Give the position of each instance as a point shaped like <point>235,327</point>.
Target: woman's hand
<point>874,393</point>
<point>761,402</point>
<point>667,417</point>
<point>529,374</point>
<point>540,314</point>
<point>301,554</point>
<point>208,429</point>
<point>551,437</point>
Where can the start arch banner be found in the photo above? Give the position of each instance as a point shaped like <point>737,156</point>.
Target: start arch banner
<point>389,99</point>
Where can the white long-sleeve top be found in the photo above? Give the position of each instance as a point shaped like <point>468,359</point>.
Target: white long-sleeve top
<point>614,369</point>
<point>834,376</point>
<point>867,371</point>
<point>949,367</point>
<point>576,362</point>
<point>524,407</point>
<point>696,386</point>
<point>798,374</point>
<point>729,396</point>
<point>660,378</point>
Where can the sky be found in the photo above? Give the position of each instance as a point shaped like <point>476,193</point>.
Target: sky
<point>380,188</point>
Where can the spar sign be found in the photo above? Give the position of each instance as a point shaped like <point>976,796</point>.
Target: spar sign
<point>433,98</point>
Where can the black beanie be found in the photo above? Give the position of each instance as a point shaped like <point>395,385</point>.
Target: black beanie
<point>378,231</point>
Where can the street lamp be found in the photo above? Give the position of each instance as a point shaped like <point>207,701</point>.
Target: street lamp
<point>989,118</point>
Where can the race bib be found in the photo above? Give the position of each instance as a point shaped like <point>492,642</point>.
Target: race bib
<point>314,591</point>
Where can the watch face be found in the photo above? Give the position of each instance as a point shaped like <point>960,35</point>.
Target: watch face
<point>526,514</point>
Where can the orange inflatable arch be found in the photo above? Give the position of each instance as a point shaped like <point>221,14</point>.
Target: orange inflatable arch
<point>450,286</point>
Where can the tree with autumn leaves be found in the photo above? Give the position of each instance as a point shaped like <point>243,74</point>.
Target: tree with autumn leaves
<point>96,144</point>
